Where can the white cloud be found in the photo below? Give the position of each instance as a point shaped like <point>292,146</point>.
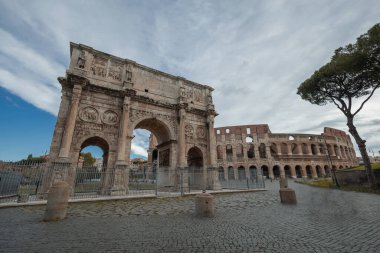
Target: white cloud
<point>137,150</point>
<point>254,53</point>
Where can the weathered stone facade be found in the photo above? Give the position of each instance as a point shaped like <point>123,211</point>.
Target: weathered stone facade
<point>104,98</point>
<point>249,150</point>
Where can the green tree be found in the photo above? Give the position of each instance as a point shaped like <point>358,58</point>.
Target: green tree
<point>349,80</point>
<point>88,159</point>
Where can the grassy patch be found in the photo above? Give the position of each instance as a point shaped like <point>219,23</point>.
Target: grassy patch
<point>375,166</point>
<point>328,183</point>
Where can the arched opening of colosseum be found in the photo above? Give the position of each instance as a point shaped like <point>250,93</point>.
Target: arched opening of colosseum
<point>295,149</point>
<point>319,171</point>
<point>322,149</point>
<point>276,171</point>
<point>330,149</point>
<point>253,172</point>
<point>251,151</point>
<point>241,173</point>
<point>262,151</point>
<point>221,174</point>
<point>284,149</point>
<point>229,152</point>
<point>305,149</point>
<point>299,171</point>
<point>265,171</point>
<point>309,171</point>
<point>341,167</point>
<point>239,151</point>
<point>219,152</point>
<point>231,173</point>
<point>273,149</point>
<point>287,170</point>
<point>327,171</point>
<point>314,149</point>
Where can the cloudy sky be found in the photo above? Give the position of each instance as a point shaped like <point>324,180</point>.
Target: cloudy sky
<point>254,53</point>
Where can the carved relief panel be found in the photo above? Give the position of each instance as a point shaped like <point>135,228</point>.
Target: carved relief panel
<point>189,132</point>
<point>97,121</point>
<point>115,71</point>
<point>99,66</point>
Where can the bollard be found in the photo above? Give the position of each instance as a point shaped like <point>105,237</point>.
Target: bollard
<point>57,202</point>
<point>204,205</point>
<point>288,196</point>
<point>283,182</point>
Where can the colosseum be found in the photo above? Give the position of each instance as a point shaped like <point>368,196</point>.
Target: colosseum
<point>251,150</point>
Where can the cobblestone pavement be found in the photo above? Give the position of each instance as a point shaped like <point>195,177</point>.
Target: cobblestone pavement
<point>322,221</point>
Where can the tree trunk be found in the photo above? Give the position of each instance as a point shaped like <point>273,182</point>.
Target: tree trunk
<point>363,151</point>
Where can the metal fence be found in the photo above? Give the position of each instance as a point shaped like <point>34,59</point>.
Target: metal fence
<point>26,181</point>
<point>20,182</point>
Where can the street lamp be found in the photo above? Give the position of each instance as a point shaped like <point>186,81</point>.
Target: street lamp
<point>334,178</point>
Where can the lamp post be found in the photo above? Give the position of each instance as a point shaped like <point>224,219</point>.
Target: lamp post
<point>334,178</point>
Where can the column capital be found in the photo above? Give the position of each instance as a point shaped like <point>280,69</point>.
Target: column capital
<point>77,80</point>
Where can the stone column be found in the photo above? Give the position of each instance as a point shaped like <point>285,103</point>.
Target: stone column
<point>181,139</point>
<point>124,121</point>
<point>309,149</point>
<point>121,171</point>
<point>323,172</point>
<point>278,147</point>
<point>70,122</point>
<point>303,172</point>
<point>270,171</point>
<point>293,172</point>
<point>282,172</point>
<point>290,149</point>
<point>211,134</point>
<point>267,151</point>
<point>314,172</point>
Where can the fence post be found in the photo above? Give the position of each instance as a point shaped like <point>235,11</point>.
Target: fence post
<point>247,183</point>
<point>156,185</point>
<point>262,178</point>
<point>182,184</point>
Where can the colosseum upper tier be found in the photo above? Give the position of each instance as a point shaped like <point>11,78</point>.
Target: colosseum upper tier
<point>249,150</point>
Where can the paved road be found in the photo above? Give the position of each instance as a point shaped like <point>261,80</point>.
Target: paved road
<point>322,221</point>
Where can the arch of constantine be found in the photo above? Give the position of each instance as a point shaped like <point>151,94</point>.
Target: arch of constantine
<point>104,98</point>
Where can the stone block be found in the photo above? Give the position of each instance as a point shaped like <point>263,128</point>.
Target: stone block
<point>288,196</point>
<point>204,205</point>
<point>57,201</point>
